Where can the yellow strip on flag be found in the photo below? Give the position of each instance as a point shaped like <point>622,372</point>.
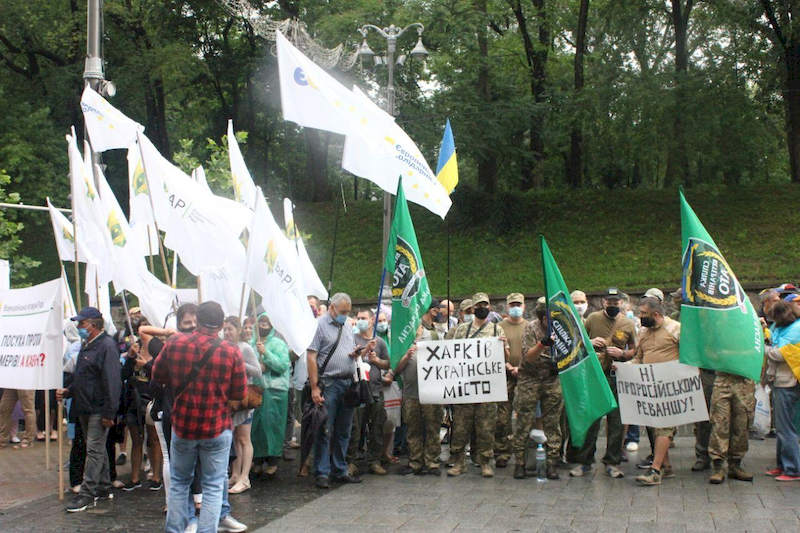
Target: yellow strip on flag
<point>447,167</point>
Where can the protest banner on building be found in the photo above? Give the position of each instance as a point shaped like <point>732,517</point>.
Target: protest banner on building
<point>461,371</point>
<point>31,338</point>
<point>660,395</point>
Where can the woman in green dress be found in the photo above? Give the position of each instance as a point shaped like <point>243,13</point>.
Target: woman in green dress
<point>269,420</point>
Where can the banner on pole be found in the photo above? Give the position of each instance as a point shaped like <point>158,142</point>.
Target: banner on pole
<point>660,395</point>
<point>31,338</point>
<point>459,371</point>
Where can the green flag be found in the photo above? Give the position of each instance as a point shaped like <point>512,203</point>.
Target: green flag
<point>410,294</point>
<point>587,395</point>
<point>719,327</point>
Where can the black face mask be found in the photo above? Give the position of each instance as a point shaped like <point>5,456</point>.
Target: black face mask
<point>612,310</point>
<point>263,332</point>
<point>481,313</point>
<point>441,318</point>
<point>648,321</point>
<point>186,330</point>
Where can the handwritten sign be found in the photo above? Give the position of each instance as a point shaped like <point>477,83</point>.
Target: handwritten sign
<point>458,371</point>
<point>31,340</point>
<point>660,395</point>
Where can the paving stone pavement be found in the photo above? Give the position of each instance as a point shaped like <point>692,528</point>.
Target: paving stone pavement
<point>685,503</point>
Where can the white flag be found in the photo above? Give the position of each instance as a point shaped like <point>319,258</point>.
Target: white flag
<point>141,212</point>
<point>65,241</point>
<point>199,175</point>
<point>310,96</point>
<point>108,127</point>
<point>272,271</point>
<point>243,186</point>
<point>98,297</point>
<point>311,279</point>
<point>224,284</point>
<point>377,149</point>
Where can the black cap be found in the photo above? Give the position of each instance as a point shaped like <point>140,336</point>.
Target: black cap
<point>87,312</point>
<point>434,303</point>
<point>612,293</point>
<point>210,315</point>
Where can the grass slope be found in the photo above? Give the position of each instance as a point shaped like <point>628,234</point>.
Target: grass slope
<point>600,238</point>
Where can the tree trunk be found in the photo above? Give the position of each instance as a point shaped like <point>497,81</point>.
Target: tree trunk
<point>575,160</point>
<point>538,80</point>
<point>317,164</point>
<point>791,97</point>
<point>487,159</point>
<point>678,160</point>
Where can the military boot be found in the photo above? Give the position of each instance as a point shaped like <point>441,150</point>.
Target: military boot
<point>735,471</point>
<point>458,468</point>
<point>519,471</point>
<point>717,473</point>
<point>487,470</point>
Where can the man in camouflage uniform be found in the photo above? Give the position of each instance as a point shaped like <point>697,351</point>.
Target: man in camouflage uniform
<point>732,409</point>
<point>482,416</point>
<point>537,382</point>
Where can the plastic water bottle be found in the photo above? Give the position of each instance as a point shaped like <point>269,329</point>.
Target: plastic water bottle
<point>541,464</point>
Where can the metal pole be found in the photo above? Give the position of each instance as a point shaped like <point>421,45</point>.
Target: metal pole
<point>387,197</point>
<point>93,73</point>
<point>32,207</point>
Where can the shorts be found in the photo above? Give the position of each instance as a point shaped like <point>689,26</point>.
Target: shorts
<point>665,432</point>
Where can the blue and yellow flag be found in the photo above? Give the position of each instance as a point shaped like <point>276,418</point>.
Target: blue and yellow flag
<point>447,168</point>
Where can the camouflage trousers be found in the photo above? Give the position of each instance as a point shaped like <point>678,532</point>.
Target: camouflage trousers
<point>370,418</point>
<point>732,408</point>
<point>423,423</point>
<point>481,416</point>
<point>531,391</point>
<point>503,432</point>
<point>702,430</point>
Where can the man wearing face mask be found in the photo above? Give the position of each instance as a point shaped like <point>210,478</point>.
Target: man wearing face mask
<point>372,417</point>
<point>95,391</point>
<point>481,416</point>
<point>537,383</point>
<point>513,326</point>
<point>466,312</point>
<point>613,336</point>
<point>331,365</point>
<point>580,302</point>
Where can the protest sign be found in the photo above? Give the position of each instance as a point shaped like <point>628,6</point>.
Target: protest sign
<point>660,395</point>
<point>461,371</point>
<point>31,340</point>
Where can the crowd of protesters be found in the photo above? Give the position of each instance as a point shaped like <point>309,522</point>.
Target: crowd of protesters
<point>214,403</point>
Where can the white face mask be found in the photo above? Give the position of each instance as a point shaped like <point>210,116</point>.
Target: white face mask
<point>468,317</point>
<point>581,308</point>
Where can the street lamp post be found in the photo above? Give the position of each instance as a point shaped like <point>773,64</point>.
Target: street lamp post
<point>391,34</point>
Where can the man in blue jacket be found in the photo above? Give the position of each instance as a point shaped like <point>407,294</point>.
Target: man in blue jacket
<point>95,393</point>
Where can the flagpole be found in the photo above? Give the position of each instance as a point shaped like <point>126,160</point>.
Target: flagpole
<point>449,301</point>
<point>247,264</point>
<point>380,300</point>
<point>174,269</point>
<point>60,415</point>
<point>150,249</point>
<point>153,209</point>
<point>127,312</point>
<point>333,248</point>
<point>77,264</point>
<point>542,244</point>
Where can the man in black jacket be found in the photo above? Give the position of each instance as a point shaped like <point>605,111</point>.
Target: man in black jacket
<point>95,392</point>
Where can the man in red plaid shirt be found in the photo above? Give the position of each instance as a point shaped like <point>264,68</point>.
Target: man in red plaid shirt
<point>205,372</point>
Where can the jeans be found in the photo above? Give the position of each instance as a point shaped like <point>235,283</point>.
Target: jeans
<point>331,445</point>
<point>184,454</point>
<point>632,435</point>
<point>787,449</point>
<point>96,473</point>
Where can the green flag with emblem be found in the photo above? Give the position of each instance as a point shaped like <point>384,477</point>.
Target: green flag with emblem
<point>719,326</point>
<point>410,294</point>
<point>587,395</point>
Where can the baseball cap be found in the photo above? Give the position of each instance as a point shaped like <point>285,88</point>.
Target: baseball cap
<point>612,293</point>
<point>791,297</point>
<point>654,293</point>
<point>515,298</point>
<point>87,312</point>
<point>465,304</point>
<point>134,310</point>
<point>786,288</point>
<point>434,303</point>
<point>210,315</point>
<point>480,297</point>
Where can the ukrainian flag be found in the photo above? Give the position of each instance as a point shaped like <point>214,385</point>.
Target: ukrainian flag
<point>447,168</point>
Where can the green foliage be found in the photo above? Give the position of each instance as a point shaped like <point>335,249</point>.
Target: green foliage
<point>217,163</point>
<point>10,241</point>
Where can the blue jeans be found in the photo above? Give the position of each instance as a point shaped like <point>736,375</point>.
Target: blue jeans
<point>787,449</point>
<point>332,443</point>
<point>183,455</point>
<point>632,435</point>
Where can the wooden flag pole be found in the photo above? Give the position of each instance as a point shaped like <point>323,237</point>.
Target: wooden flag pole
<point>47,429</point>
<point>150,250</point>
<point>60,415</point>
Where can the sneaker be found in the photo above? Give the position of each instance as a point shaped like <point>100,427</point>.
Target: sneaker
<point>323,483</point>
<point>232,525</point>
<point>15,440</point>
<point>632,446</point>
<point>580,471</point>
<point>774,472</point>
<point>131,485</point>
<point>191,528</point>
<point>646,463</point>
<point>652,477</point>
<point>153,485</point>
<point>122,459</point>
<point>787,477</point>
<point>347,478</point>
<point>80,503</point>
<point>614,472</point>
<point>106,496</point>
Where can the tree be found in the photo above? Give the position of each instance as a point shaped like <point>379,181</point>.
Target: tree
<point>575,161</point>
